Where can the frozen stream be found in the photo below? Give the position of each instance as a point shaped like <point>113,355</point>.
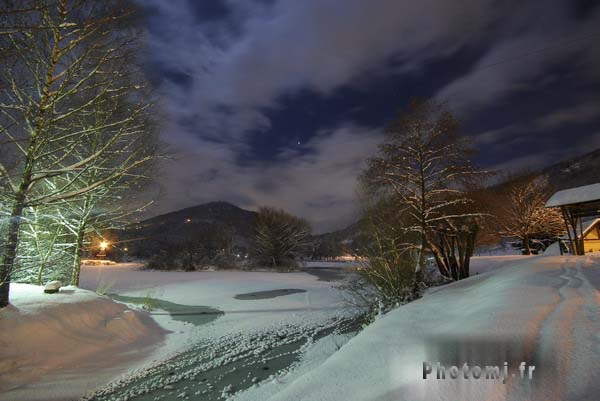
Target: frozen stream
<point>215,370</point>
<point>230,331</point>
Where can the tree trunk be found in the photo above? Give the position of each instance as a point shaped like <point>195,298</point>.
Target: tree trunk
<point>423,226</point>
<point>421,266</point>
<point>454,264</point>
<point>526,244</point>
<point>40,272</point>
<point>580,244</point>
<point>471,239</point>
<point>77,256</point>
<point>462,240</point>
<point>9,253</point>
<point>440,259</point>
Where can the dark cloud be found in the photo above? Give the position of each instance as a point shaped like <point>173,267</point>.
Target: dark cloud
<point>297,182</point>
<point>244,81</point>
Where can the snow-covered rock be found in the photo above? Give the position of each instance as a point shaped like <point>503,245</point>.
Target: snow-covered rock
<point>52,287</point>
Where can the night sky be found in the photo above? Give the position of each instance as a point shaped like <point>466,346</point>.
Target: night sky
<point>279,102</point>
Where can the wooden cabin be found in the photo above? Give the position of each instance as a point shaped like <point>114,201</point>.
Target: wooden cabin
<point>591,236</point>
<point>578,205</point>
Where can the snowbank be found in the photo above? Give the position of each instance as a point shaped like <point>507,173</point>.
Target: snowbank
<point>58,346</point>
<point>542,311</point>
<point>484,264</point>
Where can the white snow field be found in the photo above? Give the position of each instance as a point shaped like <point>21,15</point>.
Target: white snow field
<point>540,310</point>
<point>484,264</point>
<point>59,346</point>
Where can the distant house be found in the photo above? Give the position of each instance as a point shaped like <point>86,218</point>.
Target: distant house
<point>591,235</point>
<point>578,205</point>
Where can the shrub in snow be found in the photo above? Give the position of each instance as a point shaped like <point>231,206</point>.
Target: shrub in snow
<point>432,276</point>
<point>388,270</point>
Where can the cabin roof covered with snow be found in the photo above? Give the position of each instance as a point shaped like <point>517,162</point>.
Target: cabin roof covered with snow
<point>573,196</point>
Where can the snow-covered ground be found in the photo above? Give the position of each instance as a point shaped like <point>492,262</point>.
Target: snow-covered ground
<point>245,334</point>
<point>64,345</point>
<point>542,311</point>
<point>58,346</point>
<point>484,264</point>
<point>212,288</point>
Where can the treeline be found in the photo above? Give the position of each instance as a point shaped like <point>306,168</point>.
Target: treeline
<point>202,246</point>
<point>76,134</point>
<point>279,239</point>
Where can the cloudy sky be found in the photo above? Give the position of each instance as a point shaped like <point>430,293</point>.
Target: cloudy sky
<point>279,102</point>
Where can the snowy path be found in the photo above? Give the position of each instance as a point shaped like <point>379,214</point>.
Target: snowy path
<point>574,328</point>
<point>542,311</point>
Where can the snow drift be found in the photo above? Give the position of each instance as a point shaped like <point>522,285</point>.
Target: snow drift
<point>543,311</point>
<point>58,346</point>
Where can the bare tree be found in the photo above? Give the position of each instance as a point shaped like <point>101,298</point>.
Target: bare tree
<point>97,212</point>
<point>279,238</point>
<point>112,205</point>
<point>520,209</point>
<point>72,75</point>
<point>424,162</point>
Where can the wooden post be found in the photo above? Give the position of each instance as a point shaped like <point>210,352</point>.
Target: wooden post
<point>580,242</point>
<point>566,218</point>
<point>560,246</point>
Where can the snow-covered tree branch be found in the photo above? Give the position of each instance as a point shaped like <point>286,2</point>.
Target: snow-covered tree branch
<point>73,108</point>
<point>520,209</point>
<point>424,164</point>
